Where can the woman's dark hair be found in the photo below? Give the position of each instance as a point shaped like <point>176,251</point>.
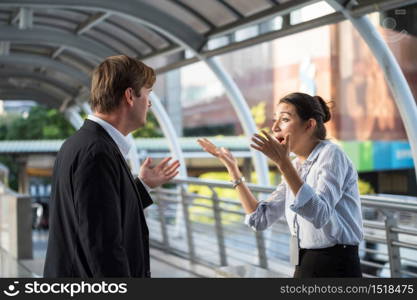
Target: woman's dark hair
<point>309,107</point>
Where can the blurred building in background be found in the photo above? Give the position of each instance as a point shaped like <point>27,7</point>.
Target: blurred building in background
<point>331,61</point>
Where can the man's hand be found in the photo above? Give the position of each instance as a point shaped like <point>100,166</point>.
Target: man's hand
<point>160,174</point>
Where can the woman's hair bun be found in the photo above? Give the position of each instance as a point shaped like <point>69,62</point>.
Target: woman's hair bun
<point>325,108</point>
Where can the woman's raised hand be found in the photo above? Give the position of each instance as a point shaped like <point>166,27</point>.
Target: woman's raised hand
<point>277,151</point>
<point>221,153</point>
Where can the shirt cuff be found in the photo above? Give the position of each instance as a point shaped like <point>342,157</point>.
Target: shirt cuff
<point>148,189</point>
<point>305,193</point>
<point>248,220</point>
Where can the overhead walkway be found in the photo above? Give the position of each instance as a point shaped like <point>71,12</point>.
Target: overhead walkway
<point>54,44</point>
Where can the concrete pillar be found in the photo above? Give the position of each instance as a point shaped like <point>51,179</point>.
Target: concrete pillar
<point>16,224</point>
<point>23,187</point>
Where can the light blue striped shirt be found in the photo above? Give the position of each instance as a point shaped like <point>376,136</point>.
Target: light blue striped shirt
<point>326,210</point>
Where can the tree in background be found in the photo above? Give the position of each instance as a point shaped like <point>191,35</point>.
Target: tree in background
<point>258,113</point>
<point>40,124</point>
<point>151,128</point>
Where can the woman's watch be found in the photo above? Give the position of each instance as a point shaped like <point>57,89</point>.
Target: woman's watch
<point>238,181</point>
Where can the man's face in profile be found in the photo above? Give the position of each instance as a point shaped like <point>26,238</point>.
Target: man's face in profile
<point>141,105</point>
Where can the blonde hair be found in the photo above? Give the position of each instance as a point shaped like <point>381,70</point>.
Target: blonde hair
<point>113,76</point>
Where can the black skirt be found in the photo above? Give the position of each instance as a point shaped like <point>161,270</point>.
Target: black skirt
<point>336,261</point>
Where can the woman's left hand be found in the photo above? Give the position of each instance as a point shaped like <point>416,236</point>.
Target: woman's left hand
<point>277,151</point>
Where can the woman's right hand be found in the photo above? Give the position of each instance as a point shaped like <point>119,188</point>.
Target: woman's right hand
<point>246,197</point>
<point>223,154</point>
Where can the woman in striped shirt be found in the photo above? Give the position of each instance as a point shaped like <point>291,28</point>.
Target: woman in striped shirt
<point>318,196</point>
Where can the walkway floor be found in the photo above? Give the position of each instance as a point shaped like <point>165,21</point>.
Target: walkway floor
<point>163,265</point>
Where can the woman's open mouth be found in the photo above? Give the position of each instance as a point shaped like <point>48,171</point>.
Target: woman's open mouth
<point>280,139</point>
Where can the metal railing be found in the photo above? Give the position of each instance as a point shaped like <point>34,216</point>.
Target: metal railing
<point>192,220</point>
<point>203,221</point>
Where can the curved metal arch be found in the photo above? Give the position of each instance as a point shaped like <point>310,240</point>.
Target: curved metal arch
<point>135,10</point>
<point>139,36</point>
<point>232,9</point>
<point>73,116</point>
<point>108,37</point>
<point>195,14</point>
<point>39,95</point>
<point>134,35</point>
<point>92,22</point>
<point>55,37</point>
<point>86,61</point>
<point>394,76</point>
<point>151,17</point>
<point>163,23</point>
<point>50,90</point>
<point>39,77</point>
<point>168,128</point>
<point>45,62</point>
<point>243,112</point>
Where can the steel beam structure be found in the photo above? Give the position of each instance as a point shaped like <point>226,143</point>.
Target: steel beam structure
<point>45,62</point>
<point>137,11</point>
<point>188,38</point>
<point>26,18</point>
<point>54,37</point>
<point>39,77</point>
<point>13,93</point>
<point>91,22</point>
<point>174,30</point>
<point>72,114</point>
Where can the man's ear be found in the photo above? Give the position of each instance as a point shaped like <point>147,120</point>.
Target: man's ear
<point>128,96</point>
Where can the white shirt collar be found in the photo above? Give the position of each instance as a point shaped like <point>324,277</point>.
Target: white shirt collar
<point>313,155</point>
<point>122,141</point>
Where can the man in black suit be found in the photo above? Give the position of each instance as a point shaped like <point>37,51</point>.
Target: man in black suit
<point>97,225</point>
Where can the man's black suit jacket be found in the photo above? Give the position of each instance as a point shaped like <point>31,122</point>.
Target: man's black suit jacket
<point>97,225</point>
